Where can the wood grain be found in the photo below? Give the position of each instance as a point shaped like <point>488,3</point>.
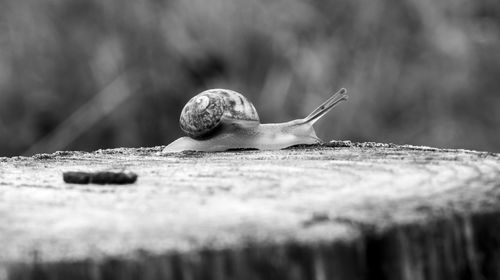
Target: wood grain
<point>344,210</point>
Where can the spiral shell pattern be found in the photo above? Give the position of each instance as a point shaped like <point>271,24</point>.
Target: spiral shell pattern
<point>204,112</point>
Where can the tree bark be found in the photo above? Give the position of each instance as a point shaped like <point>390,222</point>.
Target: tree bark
<point>336,211</point>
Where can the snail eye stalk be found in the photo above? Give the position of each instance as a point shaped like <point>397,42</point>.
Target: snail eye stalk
<point>324,108</point>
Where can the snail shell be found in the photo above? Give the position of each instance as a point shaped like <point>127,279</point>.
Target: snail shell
<point>207,110</point>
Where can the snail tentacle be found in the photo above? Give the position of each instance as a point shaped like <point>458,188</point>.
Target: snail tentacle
<point>326,106</point>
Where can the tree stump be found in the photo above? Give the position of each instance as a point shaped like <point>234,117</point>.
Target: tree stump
<point>336,211</point>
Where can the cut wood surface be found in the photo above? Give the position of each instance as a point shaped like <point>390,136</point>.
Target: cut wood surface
<point>341,210</point>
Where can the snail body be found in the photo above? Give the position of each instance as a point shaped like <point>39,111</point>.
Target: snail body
<point>220,120</point>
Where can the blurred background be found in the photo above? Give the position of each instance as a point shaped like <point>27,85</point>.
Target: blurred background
<point>91,74</point>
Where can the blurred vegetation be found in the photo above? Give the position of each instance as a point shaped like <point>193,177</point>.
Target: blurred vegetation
<point>90,74</point>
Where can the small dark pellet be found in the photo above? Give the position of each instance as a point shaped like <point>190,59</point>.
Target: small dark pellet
<point>76,177</point>
<point>101,178</point>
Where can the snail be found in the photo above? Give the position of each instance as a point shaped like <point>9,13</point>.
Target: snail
<point>221,119</point>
